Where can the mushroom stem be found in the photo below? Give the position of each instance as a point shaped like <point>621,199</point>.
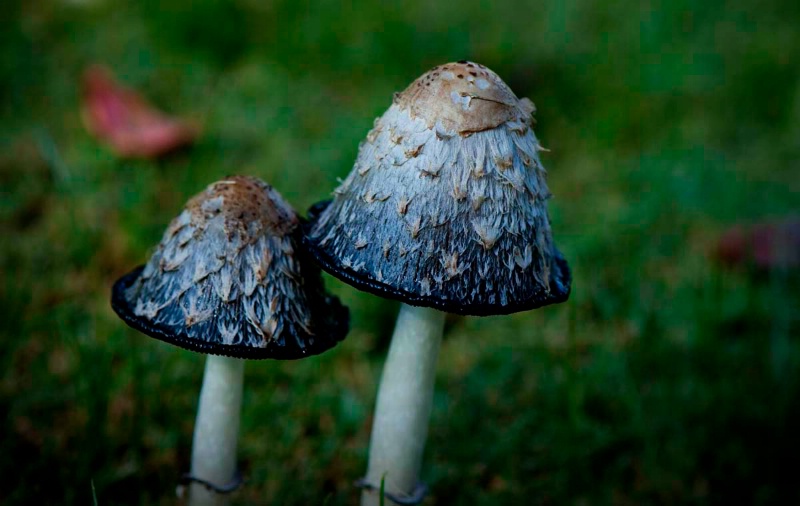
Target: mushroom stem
<point>216,429</point>
<point>403,407</point>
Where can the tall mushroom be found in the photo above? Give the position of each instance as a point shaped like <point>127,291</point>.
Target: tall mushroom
<point>444,210</point>
<point>227,280</point>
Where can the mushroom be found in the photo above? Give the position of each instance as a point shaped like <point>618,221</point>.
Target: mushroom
<point>227,280</point>
<point>445,210</point>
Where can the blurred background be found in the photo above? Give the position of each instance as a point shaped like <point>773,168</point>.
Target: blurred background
<point>671,376</point>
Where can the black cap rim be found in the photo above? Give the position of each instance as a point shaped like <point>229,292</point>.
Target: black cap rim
<point>122,307</point>
<point>560,282</point>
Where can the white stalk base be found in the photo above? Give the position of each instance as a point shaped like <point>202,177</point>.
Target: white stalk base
<point>403,407</point>
<point>216,429</point>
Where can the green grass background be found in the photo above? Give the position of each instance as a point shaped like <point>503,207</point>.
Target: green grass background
<point>663,380</point>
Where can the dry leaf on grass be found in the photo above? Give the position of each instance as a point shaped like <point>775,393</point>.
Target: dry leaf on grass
<point>124,120</point>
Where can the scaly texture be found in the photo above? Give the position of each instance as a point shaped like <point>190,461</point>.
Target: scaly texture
<point>226,279</point>
<point>447,211</point>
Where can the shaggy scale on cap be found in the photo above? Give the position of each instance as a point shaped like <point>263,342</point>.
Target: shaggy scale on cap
<point>226,280</point>
<point>446,204</point>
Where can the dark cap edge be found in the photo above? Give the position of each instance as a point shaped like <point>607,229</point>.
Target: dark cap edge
<point>363,282</point>
<point>121,306</point>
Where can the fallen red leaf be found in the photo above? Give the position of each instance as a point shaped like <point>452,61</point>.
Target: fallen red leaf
<point>124,120</point>
<point>764,246</point>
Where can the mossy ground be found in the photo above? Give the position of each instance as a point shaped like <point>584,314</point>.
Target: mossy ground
<point>664,379</point>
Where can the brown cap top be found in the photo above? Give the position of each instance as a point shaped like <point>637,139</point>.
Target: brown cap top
<point>465,97</point>
<point>229,279</point>
<point>243,201</point>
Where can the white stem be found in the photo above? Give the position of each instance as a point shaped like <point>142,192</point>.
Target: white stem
<point>216,429</point>
<point>403,408</point>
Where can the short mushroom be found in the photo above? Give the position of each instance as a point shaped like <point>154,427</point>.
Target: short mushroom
<point>227,280</point>
<point>445,210</point>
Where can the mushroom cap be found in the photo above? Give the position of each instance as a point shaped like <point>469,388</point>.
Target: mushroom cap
<point>463,97</point>
<point>228,279</point>
<point>446,205</point>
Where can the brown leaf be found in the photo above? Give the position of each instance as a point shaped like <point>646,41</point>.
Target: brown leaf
<point>770,245</point>
<point>124,120</point>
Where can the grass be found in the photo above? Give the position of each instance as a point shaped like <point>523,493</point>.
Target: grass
<point>664,380</point>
